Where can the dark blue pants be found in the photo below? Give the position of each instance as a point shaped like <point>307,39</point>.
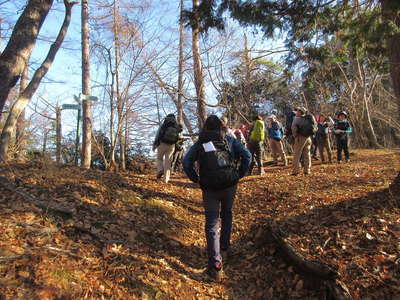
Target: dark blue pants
<point>256,150</point>
<point>342,145</point>
<point>218,205</point>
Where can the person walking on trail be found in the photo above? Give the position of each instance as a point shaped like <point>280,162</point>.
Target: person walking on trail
<point>275,135</point>
<point>322,137</point>
<point>218,177</point>
<point>255,144</point>
<point>303,128</point>
<point>166,137</point>
<point>342,129</point>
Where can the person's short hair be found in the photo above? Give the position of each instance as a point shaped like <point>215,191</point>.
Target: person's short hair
<point>213,123</point>
<point>257,117</point>
<point>170,116</point>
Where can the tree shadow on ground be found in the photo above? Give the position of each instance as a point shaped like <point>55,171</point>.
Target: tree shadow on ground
<point>147,230</point>
<point>152,232</point>
<point>346,223</point>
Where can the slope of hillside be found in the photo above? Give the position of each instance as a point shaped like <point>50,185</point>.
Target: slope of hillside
<point>69,233</point>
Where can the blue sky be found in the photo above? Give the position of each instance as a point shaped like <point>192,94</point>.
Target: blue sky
<point>64,78</point>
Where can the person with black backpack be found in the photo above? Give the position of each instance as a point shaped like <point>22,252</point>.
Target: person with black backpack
<point>303,128</point>
<point>218,177</point>
<point>166,137</point>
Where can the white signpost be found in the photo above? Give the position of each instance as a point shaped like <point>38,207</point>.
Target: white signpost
<point>78,108</point>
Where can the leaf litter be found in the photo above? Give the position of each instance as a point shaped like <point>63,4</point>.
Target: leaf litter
<point>133,237</point>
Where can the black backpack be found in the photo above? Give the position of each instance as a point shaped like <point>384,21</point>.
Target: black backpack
<point>309,127</point>
<point>170,135</point>
<point>217,168</point>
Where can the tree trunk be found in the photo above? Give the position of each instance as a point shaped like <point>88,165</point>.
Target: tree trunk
<point>33,85</point>
<point>126,137</point>
<point>14,58</point>
<point>390,11</point>
<point>179,106</point>
<point>21,123</point>
<point>44,146</point>
<point>374,141</point>
<point>86,105</point>
<point>198,68</point>
<point>120,106</point>
<point>58,135</point>
<point>112,112</point>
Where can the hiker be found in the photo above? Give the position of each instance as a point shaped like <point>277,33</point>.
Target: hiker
<point>166,137</point>
<point>314,147</point>
<point>342,129</point>
<point>239,136</point>
<point>178,154</point>
<point>303,128</point>
<point>244,128</point>
<point>288,128</point>
<point>255,144</point>
<point>215,154</point>
<point>275,134</point>
<point>228,131</point>
<point>322,137</point>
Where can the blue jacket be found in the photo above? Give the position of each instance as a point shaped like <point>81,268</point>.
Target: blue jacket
<point>235,147</point>
<point>275,131</point>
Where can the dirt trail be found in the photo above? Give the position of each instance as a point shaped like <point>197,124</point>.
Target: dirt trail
<point>133,237</point>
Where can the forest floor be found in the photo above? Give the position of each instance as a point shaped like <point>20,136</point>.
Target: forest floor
<point>130,236</point>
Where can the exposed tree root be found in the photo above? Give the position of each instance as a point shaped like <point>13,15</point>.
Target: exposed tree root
<point>319,273</point>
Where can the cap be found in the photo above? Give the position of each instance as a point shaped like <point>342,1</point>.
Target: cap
<point>302,109</point>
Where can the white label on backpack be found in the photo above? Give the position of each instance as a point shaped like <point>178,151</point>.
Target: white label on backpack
<point>209,147</point>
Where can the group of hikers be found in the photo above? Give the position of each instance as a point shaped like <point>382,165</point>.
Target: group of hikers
<point>221,156</point>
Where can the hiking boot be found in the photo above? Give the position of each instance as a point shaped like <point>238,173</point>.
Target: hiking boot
<point>262,172</point>
<point>295,174</point>
<point>160,174</point>
<point>216,273</point>
<point>347,160</point>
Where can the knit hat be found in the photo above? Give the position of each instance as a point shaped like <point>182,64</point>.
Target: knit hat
<point>213,123</point>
